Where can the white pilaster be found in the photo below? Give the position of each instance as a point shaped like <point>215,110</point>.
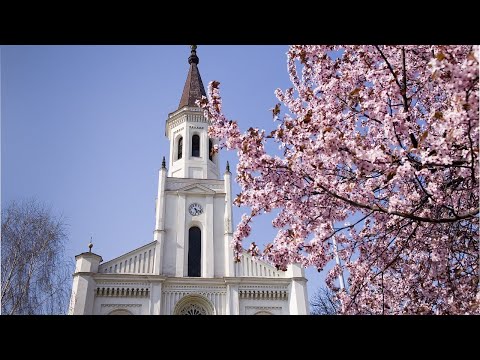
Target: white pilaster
<point>159,233</point>
<point>233,302</point>
<point>156,298</point>
<point>298,300</point>
<point>228,227</point>
<point>207,254</point>
<point>160,209</point>
<point>182,255</point>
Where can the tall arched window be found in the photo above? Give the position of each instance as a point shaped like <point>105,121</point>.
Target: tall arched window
<point>196,145</point>
<point>180,148</point>
<point>194,251</point>
<point>210,149</point>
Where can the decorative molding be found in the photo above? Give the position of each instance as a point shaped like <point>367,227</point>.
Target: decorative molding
<point>263,294</point>
<point>196,189</point>
<point>197,118</point>
<point>191,292</point>
<point>172,186</point>
<point>194,181</point>
<point>172,123</point>
<point>263,308</point>
<point>215,186</point>
<point>111,284</point>
<point>193,288</point>
<point>176,185</point>
<point>263,287</point>
<point>108,291</point>
<point>121,305</point>
<point>185,115</point>
<point>178,130</point>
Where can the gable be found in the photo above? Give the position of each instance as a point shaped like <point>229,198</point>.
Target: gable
<point>250,266</point>
<point>138,261</point>
<point>196,189</point>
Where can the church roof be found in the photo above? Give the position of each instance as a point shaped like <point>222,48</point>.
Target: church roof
<point>193,89</point>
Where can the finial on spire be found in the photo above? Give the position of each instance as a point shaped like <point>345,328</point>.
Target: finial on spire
<point>193,55</point>
<point>228,167</point>
<point>90,245</point>
<point>164,166</point>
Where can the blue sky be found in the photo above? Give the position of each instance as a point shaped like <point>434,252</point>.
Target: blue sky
<point>83,130</point>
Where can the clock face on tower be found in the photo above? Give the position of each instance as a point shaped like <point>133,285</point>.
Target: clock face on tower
<point>195,209</point>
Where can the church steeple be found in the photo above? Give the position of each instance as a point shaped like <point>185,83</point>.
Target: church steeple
<point>191,154</point>
<point>193,89</point>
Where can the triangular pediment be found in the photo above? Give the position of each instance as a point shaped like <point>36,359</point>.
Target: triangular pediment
<point>196,188</point>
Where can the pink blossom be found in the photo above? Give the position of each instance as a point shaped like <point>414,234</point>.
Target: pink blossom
<point>386,138</point>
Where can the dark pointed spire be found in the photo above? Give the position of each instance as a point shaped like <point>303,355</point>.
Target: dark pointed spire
<point>164,166</point>
<point>193,89</point>
<point>228,167</point>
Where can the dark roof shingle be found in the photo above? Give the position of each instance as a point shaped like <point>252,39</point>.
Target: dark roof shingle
<point>193,89</point>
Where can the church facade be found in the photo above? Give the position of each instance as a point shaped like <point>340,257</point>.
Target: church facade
<point>188,268</point>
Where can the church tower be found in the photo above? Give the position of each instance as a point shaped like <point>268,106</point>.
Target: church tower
<point>195,232</point>
<point>188,268</point>
<point>186,128</point>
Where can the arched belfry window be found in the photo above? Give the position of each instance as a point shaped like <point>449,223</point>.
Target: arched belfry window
<point>180,148</point>
<point>194,251</point>
<point>210,149</point>
<point>196,145</point>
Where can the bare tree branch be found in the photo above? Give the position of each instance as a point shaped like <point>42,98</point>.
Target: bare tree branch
<point>38,276</point>
<point>324,302</point>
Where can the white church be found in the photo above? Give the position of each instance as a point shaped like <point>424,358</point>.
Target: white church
<point>188,268</point>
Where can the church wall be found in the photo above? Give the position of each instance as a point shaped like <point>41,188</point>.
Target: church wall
<point>274,307</point>
<point>135,306</point>
<point>269,297</point>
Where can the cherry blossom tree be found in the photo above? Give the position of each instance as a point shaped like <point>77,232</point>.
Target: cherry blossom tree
<point>379,149</point>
